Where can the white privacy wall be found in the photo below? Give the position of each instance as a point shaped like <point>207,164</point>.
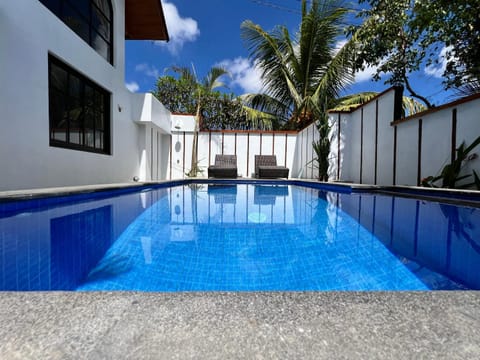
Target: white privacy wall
<point>369,147</point>
<point>361,142</point>
<point>29,32</point>
<point>244,144</point>
<point>427,141</point>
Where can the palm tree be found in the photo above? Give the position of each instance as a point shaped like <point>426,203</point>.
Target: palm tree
<point>202,88</point>
<point>301,75</point>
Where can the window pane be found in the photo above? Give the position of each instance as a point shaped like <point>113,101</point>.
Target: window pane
<point>89,125</point>
<point>58,116</point>
<point>89,96</point>
<point>103,6</point>
<point>100,45</point>
<point>76,136</point>
<point>58,77</point>
<point>75,86</point>
<point>100,23</point>
<point>99,101</point>
<point>75,22</point>
<point>99,141</point>
<point>83,7</point>
<point>75,116</point>
<point>89,138</point>
<point>79,117</point>
<point>99,121</point>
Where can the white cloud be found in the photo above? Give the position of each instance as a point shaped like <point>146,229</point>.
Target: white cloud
<point>244,74</point>
<point>180,30</point>
<point>437,70</point>
<point>148,70</point>
<point>132,86</point>
<point>365,74</point>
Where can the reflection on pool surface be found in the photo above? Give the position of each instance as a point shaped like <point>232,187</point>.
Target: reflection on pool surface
<point>238,237</point>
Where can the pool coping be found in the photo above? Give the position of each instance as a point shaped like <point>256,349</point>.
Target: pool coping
<point>452,196</point>
<point>218,325</point>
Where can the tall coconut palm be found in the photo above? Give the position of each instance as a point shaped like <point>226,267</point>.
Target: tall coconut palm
<point>301,75</point>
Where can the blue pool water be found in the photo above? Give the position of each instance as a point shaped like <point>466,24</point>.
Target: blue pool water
<point>238,237</point>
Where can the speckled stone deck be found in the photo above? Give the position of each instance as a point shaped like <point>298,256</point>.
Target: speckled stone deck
<point>262,325</point>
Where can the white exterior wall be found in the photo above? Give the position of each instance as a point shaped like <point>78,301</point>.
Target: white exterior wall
<point>357,152</point>
<point>368,152</point>
<point>468,129</point>
<point>436,143</point>
<point>385,142</point>
<point>407,154</point>
<point>244,144</point>
<point>436,148</point>
<point>29,33</point>
<point>366,142</point>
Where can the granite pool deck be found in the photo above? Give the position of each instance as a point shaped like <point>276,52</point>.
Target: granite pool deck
<point>243,325</point>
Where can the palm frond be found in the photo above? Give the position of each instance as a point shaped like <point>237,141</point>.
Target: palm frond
<point>268,50</point>
<point>266,104</point>
<point>350,102</point>
<point>410,106</point>
<point>185,73</point>
<point>258,119</point>
<point>338,74</point>
<point>470,87</point>
<point>212,80</point>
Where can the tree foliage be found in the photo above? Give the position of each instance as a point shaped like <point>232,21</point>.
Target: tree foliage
<point>456,24</point>
<point>401,36</point>
<point>177,94</point>
<point>185,95</point>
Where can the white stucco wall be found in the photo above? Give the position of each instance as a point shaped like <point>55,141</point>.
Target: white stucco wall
<point>29,33</point>
<point>407,154</point>
<point>242,143</point>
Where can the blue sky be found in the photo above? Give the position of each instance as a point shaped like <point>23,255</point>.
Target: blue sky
<point>206,33</point>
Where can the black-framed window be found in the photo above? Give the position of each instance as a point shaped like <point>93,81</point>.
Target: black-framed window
<point>92,20</point>
<point>79,110</point>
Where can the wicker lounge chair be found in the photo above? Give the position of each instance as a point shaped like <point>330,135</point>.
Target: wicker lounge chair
<point>266,167</point>
<point>225,167</point>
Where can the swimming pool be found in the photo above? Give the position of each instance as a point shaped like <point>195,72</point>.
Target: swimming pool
<point>247,236</point>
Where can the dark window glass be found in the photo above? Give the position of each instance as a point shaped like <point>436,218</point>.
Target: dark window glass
<point>58,77</point>
<point>75,21</point>
<point>103,5</point>
<point>92,20</point>
<point>101,46</point>
<point>58,115</point>
<point>79,110</point>
<point>100,23</point>
<point>82,6</point>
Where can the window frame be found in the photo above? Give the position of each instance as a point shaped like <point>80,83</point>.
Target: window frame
<point>58,8</point>
<point>100,108</point>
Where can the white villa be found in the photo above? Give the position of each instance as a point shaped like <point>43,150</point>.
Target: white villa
<point>67,118</point>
